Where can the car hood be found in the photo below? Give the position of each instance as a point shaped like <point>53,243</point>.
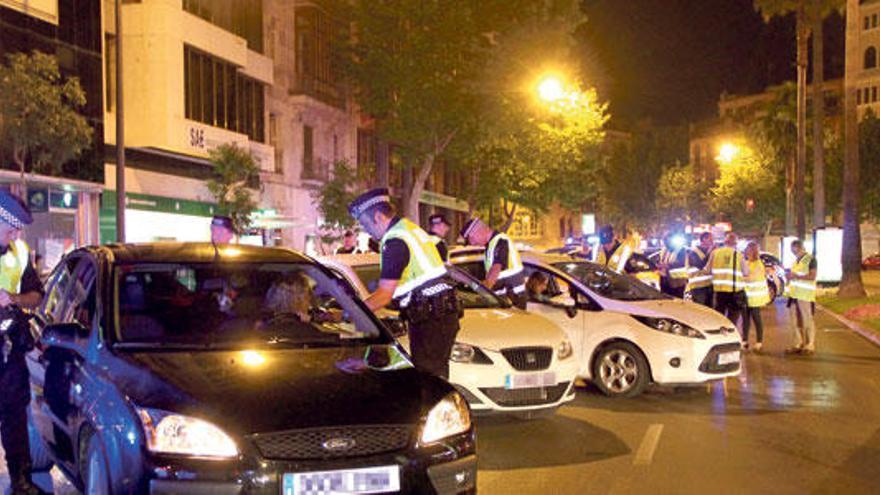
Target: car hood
<point>687,312</point>
<point>496,329</point>
<point>292,388</point>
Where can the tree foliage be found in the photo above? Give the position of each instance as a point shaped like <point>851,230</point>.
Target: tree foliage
<point>869,158</point>
<point>39,120</point>
<point>681,195</point>
<point>334,196</point>
<point>235,172</point>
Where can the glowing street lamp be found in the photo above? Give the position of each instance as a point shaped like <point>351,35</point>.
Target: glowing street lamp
<point>550,89</point>
<point>727,153</point>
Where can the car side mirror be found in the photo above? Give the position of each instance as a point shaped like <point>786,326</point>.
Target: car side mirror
<point>395,325</point>
<point>64,336</point>
<point>571,311</point>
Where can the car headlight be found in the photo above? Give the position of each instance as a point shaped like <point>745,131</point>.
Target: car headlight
<point>565,351</point>
<point>449,417</point>
<point>466,353</point>
<point>170,433</point>
<point>668,325</point>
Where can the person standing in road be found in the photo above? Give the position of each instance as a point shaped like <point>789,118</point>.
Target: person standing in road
<point>504,269</point>
<point>612,253</point>
<point>801,292</point>
<point>349,244</point>
<point>20,287</point>
<point>412,275</point>
<point>222,230</point>
<point>757,296</point>
<point>438,229</point>
<point>699,281</point>
<point>673,266</point>
<point>729,271</point>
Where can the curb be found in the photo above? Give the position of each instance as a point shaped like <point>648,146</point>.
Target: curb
<point>855,327</point>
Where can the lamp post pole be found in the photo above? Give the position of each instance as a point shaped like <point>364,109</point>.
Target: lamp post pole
<point>120,132</point>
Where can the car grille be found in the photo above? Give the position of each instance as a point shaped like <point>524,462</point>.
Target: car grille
<point>528,358</point>
<point>525,396</point>
<point>710,362</point>
<point>350,441</point>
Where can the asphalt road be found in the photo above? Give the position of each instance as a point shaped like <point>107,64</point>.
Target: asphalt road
<point>786,425</point>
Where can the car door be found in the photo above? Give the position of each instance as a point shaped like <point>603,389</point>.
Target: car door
<point>50,311</point>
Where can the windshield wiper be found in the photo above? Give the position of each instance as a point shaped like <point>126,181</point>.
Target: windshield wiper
<point>163,345</point>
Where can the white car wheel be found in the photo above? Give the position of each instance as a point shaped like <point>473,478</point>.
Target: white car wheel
<point>620,370</point>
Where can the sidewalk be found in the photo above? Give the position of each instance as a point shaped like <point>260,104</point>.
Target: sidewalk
<point>861,315</point>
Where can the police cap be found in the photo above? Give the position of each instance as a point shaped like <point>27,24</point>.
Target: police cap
<point>469,227</point>
<point>369,199</point>
<point>437,219</point>
<point>13,210</point>
<point>222,221</point>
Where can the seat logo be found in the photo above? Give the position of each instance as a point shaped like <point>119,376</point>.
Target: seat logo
<point>531,358</point>
<point>338,444</point>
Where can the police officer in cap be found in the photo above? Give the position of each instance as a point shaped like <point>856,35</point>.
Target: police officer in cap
<point>438,228</point>
<point>413,276</point>
<point>612,253</point>
<point>504,269</point>
<point>20,288</point>
<point>222,230</point>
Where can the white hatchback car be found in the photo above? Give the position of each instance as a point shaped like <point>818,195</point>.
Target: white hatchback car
<point>626,334</point>
<point>504,359</point>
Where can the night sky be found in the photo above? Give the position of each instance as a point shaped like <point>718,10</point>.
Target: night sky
<point>669,60</point>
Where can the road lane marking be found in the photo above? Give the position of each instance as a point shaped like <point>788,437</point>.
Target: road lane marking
<point>645,454</point>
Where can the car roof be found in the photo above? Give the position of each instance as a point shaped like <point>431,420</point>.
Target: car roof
<point>197,252</point>
<point>353,260</point>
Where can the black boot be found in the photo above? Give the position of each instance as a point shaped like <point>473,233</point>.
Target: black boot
<point>20,481</point>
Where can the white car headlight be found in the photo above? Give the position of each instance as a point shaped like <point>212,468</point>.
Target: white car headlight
<point>466,353</point>
<point>564,351</point>
<point>170,433</point>
<point>668,325</point>
<point>449,417</point>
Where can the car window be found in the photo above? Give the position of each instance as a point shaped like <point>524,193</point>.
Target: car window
<point>476,269</point>
<point>81,299</point>
<point>470,292</point>
<point>59,283</point>
<point>294,304</point>
<point>609,284</point>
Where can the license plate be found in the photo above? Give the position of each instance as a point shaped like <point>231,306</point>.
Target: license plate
<point>367,480</point>
<point>530,380</point>
<point>728,358</point>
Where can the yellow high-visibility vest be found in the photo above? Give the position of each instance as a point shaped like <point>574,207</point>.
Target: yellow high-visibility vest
<point>514,265</point>
<point>697,280</point>
<point>617,260</point>
<point>805,290</point>
<point>757,292</point>
<point>12,266</point>
<point>727,273</point>
<point>424,259</point>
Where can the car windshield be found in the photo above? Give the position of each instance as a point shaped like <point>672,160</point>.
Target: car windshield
<point>232,304</point>
<point>471,293</point>
<point>609,284</point>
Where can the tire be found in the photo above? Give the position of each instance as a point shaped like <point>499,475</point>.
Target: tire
<point>94,471</point>
<point>620,370</point>
<point>534,414</point>
<point>41,459</point>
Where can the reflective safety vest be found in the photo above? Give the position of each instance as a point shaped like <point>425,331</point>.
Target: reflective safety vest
<point>697,280</point>
<point>757,292</point>
<point>511,277</point>
<point>805,290</point>
<point>651,278</point>
<point>12,266</point>
<point>617,261</point>
<point>671,259</point>
<point>727,273</point>
<point>424,260</point>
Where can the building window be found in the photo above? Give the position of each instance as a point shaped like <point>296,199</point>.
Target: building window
<point>110,71</point>
<point>867,23</point>
<point>220,96</point>
<point>870,58</point>
<point>366,150</point>
<point>273,141</point>
<point>308,158</point>
<point>314,72</point>
<point>858,96</point>
<point>873,94</point>
<point>243,18</point>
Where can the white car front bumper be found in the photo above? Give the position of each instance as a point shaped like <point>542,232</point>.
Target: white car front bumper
<point>691,361</point>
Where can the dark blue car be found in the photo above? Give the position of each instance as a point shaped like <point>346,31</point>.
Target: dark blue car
<point>186,368</point>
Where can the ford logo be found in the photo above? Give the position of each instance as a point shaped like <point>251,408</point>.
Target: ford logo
<point>338,444</point>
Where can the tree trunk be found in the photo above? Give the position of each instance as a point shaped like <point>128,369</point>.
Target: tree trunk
<point>509,214</point>
<point>18,156</point>
<point>418,177</point>
<point>851,283</point>
<point>789,195</point>
<point>803,32</point>
<point>818,119</point>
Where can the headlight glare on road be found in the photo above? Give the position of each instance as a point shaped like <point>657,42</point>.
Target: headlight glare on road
<point>170,433</point>
<point>565,351</point>
<point>671,326</point>
<point>449,417</point>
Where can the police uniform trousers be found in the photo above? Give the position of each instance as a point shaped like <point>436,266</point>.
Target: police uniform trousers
<point>703,296</point>
<point>731,304</point>
<point>15,396</point>
<point>431,343</point>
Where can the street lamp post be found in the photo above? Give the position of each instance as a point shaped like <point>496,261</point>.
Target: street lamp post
<point>120,132</point>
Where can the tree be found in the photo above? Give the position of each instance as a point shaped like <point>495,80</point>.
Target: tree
<point>851,282</point>
<point>235,173</point>
<point>869,153</point>
<point>681,194</point>
<point>39,121</point>
<point>333,198</point>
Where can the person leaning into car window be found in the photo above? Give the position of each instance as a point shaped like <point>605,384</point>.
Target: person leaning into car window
<point>20,287</point>
<point>536,287</point>
<point>412,275</point>
<point>504,269</point>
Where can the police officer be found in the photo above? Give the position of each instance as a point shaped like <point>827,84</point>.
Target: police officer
<point>673,265</point>
<point>729,271</point>
<point>612,253</point>
<point>504,269</point>
<point>349,244</point>
<point>438,227</point>
<point>20,287</point>
<point>700,281</point>
<point>413,276</point>
<point>222,230</point>
<point>801,292</point>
